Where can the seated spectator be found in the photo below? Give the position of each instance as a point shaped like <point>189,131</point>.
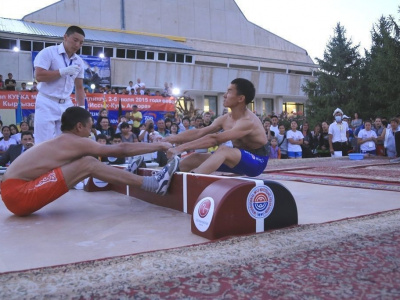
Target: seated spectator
<point>127,135</point>
<point>15,134</point>
<point>198,122</point>
<point>16,150</point>
<point>174,128</point>
<point>282,141</point>
<point>168,123</point>
<point>6,141</point>
<point>186,124</point>
<point>323,144</point>
<point>146,133</point>
<point>105,128</point>
<point>161,128</point>
<point>367,139</point>
<point>207,119</point>
<point>102,139</point>
<point>274,151</point>
<point>116,139</point>
<point>295,140</point>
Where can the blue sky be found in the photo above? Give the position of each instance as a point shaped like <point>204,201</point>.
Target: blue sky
<point>306,23</point>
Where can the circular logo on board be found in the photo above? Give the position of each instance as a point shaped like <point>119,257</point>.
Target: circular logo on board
<point>260,202</point>
<point>203,213</point>
<point>99,183</point>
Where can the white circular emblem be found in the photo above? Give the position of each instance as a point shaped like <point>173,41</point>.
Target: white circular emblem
<point>203,213</point>
<point>99,183</point>
<point>260,202</point>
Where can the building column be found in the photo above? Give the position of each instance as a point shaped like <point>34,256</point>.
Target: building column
<point>278,105</point>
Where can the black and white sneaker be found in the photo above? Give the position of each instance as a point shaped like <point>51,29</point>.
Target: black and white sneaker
<point>135,163</point>
<point>164,176</point>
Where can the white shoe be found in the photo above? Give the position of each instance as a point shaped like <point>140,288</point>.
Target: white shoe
<point>135,163</point>
<point>395,160</point>
<point>164,176</point>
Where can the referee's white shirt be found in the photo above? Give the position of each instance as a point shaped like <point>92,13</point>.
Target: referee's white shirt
<point>338,131</point>
<point>55,58</point>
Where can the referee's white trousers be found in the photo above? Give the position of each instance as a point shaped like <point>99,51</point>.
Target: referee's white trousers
<point>47,120</point>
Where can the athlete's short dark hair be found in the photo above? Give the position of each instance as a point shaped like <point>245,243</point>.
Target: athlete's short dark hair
<point>246,88</point>
<point>72,116</point>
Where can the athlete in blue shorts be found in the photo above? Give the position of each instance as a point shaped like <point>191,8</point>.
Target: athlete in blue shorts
<point>240,126</point>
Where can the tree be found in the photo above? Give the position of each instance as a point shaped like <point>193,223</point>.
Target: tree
<point>337,81</point>
<point>382,70</point>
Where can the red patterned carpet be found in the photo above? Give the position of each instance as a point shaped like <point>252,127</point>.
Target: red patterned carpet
<point>349,259</point>
<point>371,173</point>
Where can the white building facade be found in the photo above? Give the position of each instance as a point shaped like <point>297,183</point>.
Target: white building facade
<point>198,45</point>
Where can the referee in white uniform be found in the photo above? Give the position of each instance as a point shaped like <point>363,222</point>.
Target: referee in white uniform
<point>58,69</point>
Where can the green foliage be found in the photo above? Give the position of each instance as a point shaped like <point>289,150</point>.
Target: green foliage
<point>337,80</point>
<point>369,86</point>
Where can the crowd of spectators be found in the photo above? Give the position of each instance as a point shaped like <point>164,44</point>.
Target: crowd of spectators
<point>339,137</point>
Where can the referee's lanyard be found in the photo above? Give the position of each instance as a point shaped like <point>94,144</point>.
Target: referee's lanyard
<point>65,62</point>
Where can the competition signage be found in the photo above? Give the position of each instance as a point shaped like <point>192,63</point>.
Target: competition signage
<point>150,106</point>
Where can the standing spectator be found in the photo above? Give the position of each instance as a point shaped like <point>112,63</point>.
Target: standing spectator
<point>274,124</point>
<point>274,150</point>
<point>367,138</point>
<point>10,83</point>
<point>267,128</point>
<point>23,87</point>
<point>131,90</point>
<point>6,141</point>
<point>207,119</point>
<point>1,82</point>
<point>378,128</point>
<point>316,135</point>
<point>282,141</point>
<point>295,140</point>
<point>338,134</point>
<point>16,150</point>
<point>307,145</point>
<point>389,135</point>
<point>136,117</point>
<point>140,87</point>
<point>168,123</point>
<point>323,145</point>
<point>166,92</point>
<point>356,122</point>
<point>58,69</point>
<point>34,87</point>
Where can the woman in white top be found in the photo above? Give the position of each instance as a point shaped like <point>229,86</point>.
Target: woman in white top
<point>367,139</point>
<point>6,141</point>
<point>295,140</point>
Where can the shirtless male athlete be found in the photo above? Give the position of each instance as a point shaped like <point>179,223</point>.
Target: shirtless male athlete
<point>48,170</point>
<point>248,155</point>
